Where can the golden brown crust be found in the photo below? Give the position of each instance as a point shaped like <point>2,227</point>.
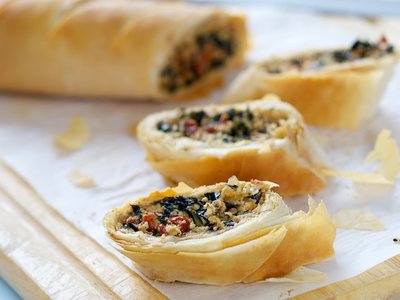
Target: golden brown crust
<point>293,176</point>
<point>221,267</point>
<point>339,97</point>
<point>292,162</point>
<point>249,252</point>
<point>307,241</point>
<point>102,48</point>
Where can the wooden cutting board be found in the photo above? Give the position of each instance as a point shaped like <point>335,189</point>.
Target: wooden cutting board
<point>43,256</point>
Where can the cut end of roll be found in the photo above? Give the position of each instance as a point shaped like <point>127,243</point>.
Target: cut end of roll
<point>234,231</point>
<point>264,139</point>
<point>337,88</point>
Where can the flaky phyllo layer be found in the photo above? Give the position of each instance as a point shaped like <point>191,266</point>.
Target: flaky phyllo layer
<point>234,231</point>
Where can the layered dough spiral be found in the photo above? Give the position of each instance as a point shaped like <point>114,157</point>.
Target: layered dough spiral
<point>337,88</point>
<point>264,139</point>
<point>122,49</point>
<point>230,232</point>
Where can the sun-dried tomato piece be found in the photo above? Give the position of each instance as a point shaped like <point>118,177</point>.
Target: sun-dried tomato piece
<point>151,220</point>
<point>182,222</point>
<point>191,126</point>
<point>162,229</point>
<point>132,220</point>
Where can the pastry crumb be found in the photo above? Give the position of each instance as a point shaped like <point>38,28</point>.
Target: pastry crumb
<point>396,240</point>
<point>354,218</point>
<point>81,180</point>
<point>75,136</point>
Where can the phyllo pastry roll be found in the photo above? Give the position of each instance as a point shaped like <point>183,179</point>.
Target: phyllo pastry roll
<point>264,139</point>
<point>126,49</point>
<point>336,88</point>
<point>234,231</point>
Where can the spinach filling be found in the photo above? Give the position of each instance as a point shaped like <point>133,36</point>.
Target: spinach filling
<point>230,126</point>
<point>210,212</point>
<point>358,50</point>
<point>195,58</point>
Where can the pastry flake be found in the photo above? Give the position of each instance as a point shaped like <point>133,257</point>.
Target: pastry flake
<point>75,136</point>
<point>82,180</point>
<point>354,218</point>
<point>387,152</point>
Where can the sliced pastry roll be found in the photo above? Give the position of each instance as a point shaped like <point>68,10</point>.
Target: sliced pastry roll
<point>264,139</point>
<point>336,88</point>
<point>234,231</point>
<point>121,48</point>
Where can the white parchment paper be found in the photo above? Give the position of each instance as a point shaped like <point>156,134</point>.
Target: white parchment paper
<point>116,160</point>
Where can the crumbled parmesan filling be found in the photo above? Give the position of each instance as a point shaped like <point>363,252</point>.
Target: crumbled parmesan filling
<point>196,57</point>
<point>210,211</point>
<point>230,126</point>
<point>359,50</point>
